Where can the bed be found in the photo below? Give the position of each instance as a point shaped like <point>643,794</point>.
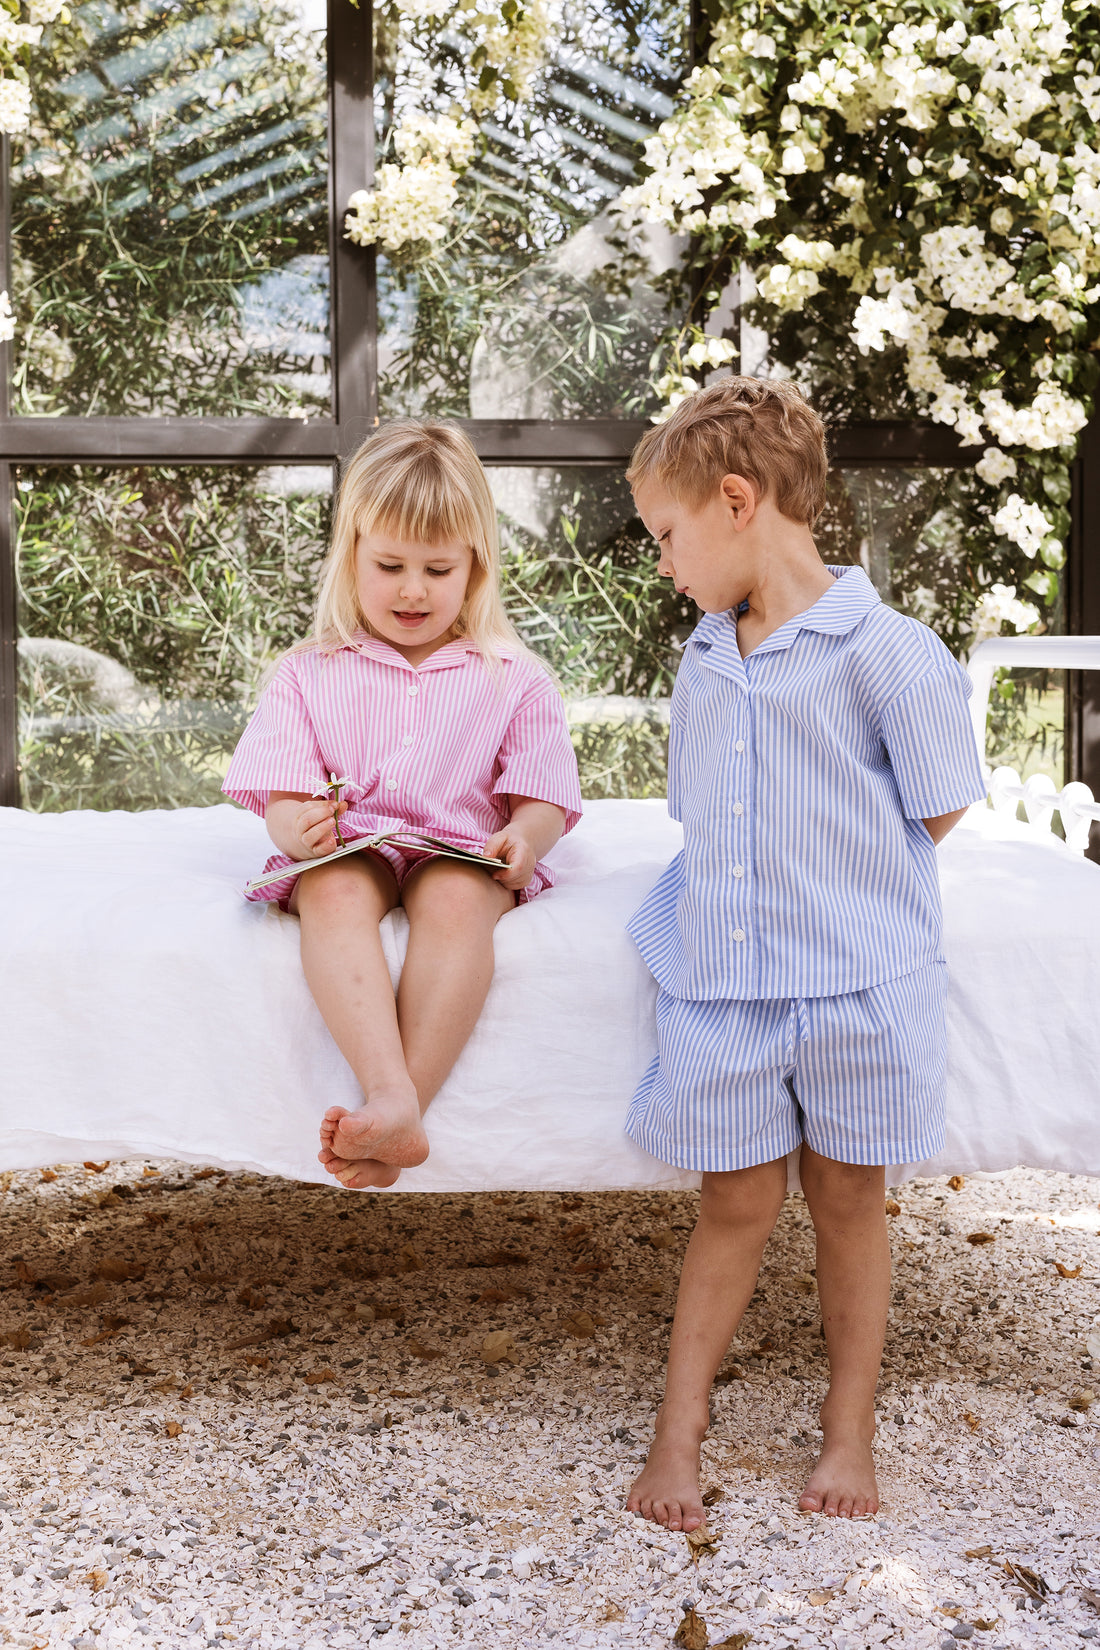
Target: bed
<point>152,1012</point>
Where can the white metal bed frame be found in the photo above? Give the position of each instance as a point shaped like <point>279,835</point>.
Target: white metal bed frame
<point>1040,796</point>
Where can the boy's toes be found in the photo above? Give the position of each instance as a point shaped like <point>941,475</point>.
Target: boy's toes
<point>809,1501</point>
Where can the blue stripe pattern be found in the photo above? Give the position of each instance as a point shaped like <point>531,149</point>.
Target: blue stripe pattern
<point>860,1077</point>
<point>801,775</point>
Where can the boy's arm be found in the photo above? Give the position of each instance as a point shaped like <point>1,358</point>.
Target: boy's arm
<point>941,824</point>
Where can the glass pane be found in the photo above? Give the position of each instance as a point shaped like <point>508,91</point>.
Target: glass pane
<point>534,308</point>
<point>169,212</point>
<point>581,583</point>
<point>151,602</point>
<point>907,529</point>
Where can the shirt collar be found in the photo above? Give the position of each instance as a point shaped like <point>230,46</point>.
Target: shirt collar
<point>835,613</point>
<point>446,657</point>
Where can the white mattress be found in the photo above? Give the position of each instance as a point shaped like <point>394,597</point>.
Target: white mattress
<point>150,1011</point>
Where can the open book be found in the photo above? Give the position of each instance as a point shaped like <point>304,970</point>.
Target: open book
<point>418,840</point>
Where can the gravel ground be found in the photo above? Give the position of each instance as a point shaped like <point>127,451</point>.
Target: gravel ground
<point>241,1410</point>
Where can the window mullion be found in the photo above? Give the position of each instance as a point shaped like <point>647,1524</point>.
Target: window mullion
<point>354,326</point>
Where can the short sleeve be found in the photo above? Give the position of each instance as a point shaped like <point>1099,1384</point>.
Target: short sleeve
<point>278,750</point>
<point>536,754</point>
<point>930,743</point>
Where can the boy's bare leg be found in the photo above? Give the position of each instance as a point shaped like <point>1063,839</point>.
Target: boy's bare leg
<point>737,1211</point>
<point>453,910</point>
<point>848,1205</point>
<point>340,907</point>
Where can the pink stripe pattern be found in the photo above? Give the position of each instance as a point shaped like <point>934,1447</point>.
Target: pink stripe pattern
<point>439,747</point>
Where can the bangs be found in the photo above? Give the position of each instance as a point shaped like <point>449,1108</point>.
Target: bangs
<point>417,502</point>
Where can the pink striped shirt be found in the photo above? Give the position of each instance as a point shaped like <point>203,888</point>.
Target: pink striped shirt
<point>438,747</point>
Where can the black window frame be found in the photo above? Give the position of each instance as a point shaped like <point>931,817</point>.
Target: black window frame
<point>129,441</point>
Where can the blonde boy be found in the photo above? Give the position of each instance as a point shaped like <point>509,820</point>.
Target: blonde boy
<point>820,748</point>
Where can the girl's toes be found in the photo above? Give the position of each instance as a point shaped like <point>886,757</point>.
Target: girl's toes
<point>334,1114</point>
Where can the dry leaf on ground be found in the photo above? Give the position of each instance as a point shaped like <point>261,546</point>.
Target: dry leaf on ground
<point>736,1641</point>
<point>274,1330</point>
<point>971,1420</point>
<point>825,1596</point>
<point>173,1428</point>
<point>419,1350</point>
<point>47,1174</point>
<point>978,1238</point>
<point>256,1360</point>
<point>318,1377</point>
<point>498,1347</point>
<point>1029,1581</point>
<point>893,1207</point>
<point>96,1580</point>
<point>701,1544</point>
<point>692,1632</point>
<point>94,1295</point>
<point>979,1552</point>
<point>956,1183</point>
<point>97,1168</point>
<point>1067,1271</point>
<point>665,1239</point>
<point>712,1496</point>
<point>1082,1398</point>
<point>113,1269</point>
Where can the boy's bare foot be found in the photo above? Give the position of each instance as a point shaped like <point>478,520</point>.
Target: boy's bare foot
<point>360,1174</point>
<point>843,1483</point>
<point>667,1488</point>
<point>386,1129</point>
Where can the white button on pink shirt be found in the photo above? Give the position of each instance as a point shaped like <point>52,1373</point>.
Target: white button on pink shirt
<point>437,747</point>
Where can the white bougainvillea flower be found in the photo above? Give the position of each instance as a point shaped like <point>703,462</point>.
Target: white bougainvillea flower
<point>1025,524</point>
<point>997,607</point>
<point>15,105</point>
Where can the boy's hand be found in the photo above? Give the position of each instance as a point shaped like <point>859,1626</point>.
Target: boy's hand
<point>512,845</point>
<point>313,826</point>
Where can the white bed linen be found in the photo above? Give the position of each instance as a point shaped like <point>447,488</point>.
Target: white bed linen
<point>149,1011</point>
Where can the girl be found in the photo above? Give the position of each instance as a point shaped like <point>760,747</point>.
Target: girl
<point>417,688</point>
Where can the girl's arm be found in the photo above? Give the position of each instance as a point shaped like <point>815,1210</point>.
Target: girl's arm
<point>530,833</point>
<point>300,825</point>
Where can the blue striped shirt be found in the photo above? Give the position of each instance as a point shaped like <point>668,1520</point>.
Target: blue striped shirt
<point>801,775</point>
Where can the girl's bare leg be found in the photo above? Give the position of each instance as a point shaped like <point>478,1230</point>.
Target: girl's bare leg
<point>737,1211</point>
<point>340,907</point>
<point>848,1205</point>
<point>448,969</point>
<point>453,910</point>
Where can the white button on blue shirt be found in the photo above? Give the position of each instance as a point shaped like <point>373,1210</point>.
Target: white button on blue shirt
<point>801,776</point>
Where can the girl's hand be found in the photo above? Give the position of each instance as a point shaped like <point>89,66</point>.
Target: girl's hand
<point>313,826</point>
<point>512,845</point>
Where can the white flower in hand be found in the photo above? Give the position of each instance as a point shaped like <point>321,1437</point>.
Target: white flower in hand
<point>332,790</point>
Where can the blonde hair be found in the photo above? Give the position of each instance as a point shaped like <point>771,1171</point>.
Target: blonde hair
<point>762,429</point>
<point>421,483</point>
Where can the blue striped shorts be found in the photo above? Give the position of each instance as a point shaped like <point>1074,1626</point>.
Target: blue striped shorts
<point>859,1078</point>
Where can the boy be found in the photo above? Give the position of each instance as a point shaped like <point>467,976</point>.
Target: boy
<point>820,747</point>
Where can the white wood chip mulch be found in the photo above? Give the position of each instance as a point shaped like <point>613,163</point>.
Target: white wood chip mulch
<point>238,1411</point>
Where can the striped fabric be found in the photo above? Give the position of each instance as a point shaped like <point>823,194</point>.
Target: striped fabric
<point>438,748</point>
<point>801,775</point>
<point>860,1077</point>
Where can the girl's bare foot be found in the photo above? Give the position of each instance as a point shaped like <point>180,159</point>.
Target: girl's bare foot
<point>667,1488</point>
<point>360,1174</point>
<point>843,1483</point>
<point>387,1128</point>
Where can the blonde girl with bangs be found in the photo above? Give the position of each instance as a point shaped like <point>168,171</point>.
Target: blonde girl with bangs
<point>417,692</point>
